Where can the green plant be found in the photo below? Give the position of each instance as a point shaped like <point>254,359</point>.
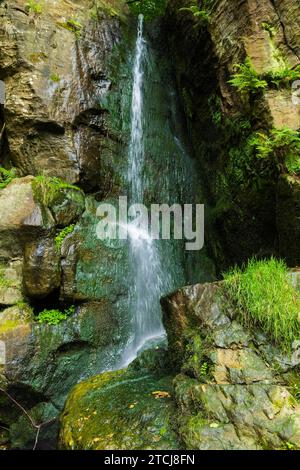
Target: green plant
<point>46,189</point>
<point>283,76</point>
<point>246,79</point>
<point>6,177</point>
<point>264,297</point>
<point>55,78</point>
<point>149,8</point>
<point>62,235</point>
<point>72,25</point>
<point>282,144</point>
<point>204,370</point>
<point>201,14</point>
<point>34,7</point>
<point>54,316</point>
<point>269,28</point>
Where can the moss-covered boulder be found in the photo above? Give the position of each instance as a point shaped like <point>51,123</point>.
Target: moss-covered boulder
<point>120,410</point>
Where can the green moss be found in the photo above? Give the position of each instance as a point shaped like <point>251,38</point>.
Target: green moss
<point>264,297</point>
<point>54,316</point>
<point>6,177</point>
<point>72,25</point>
<point>62,235</point>
<point>46,189</point>
<point>8,325</point>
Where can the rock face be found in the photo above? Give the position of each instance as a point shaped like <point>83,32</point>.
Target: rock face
<point>232,388</point>
<point>54,65</point>
<point>242,190</point>
<point>136,416</point>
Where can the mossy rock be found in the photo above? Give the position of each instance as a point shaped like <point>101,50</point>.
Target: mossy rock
<point>119,410</point>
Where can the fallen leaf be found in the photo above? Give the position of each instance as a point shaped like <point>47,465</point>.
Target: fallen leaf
<point>160,394</point>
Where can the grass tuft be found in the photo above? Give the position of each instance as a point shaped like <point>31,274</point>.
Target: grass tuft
<point>265,297</point>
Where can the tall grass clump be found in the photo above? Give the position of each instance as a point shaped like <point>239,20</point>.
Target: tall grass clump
<point>264,297</point>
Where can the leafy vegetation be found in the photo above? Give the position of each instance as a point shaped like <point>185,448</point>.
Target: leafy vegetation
<point>246,79</point>
<point>281,144</point>
<point>283,76</point>
<point>269,28</point>
<point>34,7</point>
<point>46,189</point>
<point>149,8</point>
<point>62,235</point>
<point>201,13</point>
<point>54,316</point>
<point>6,177</point>
<point>264,297</point>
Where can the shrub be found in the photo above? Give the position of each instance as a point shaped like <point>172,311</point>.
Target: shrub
<point>246,79</point>
<point>46,189</point>
<point>281,144</point>
<point>54,316</point>
<point>264,297</point>
<point>62,235</point>
<point>6,177</point>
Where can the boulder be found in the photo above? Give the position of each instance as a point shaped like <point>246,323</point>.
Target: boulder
<point>136,416</point>
<point>231,388</point>
<point>41,271</point>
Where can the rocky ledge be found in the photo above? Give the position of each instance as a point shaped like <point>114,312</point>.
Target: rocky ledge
<point>232,388</point>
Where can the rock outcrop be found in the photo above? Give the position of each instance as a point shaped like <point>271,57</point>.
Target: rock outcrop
<point>233,388</point>
<point>245,193</point>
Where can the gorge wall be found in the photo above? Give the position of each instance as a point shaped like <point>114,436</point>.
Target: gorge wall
<point>253,203</point>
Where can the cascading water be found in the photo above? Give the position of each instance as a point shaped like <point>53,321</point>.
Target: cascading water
<point>148,279</point>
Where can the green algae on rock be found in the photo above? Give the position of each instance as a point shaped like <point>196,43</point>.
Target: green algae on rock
<point>120,410</point>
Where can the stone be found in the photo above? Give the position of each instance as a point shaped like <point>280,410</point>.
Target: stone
<point>232,388</point>
<point>21,218</point>
<point>41,271</point>
<point>133,417</point>
<point>11,279</point>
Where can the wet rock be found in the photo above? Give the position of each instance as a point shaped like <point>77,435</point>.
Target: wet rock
<point>235,181</point>
<point>41,271</point>
<point>231,391</point>
<point>288,207</point>
<point>21,217</point>
<point>11,282</point>
<point>135,416</point>
<point>55,75</point>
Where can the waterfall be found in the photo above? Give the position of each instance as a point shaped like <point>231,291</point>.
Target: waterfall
<point>148,279</point>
